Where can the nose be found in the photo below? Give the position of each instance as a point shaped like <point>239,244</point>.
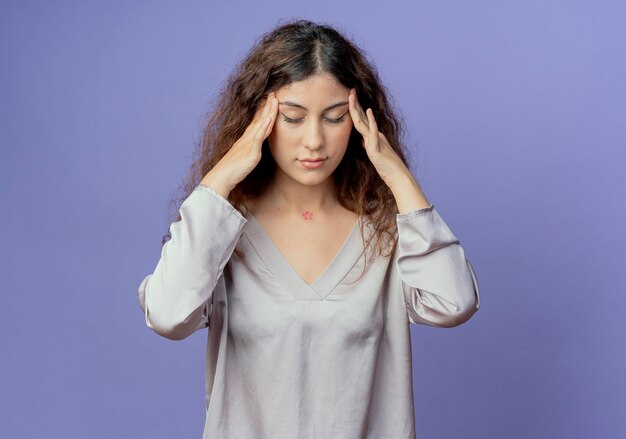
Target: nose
<point>313,137</point>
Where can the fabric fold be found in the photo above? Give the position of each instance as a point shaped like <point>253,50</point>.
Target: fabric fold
<point>438,283</point>
<point>175,297</point>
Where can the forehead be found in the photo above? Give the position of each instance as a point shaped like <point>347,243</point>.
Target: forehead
<point>312,90</point>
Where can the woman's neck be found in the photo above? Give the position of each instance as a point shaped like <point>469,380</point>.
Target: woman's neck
<point>292,198</point>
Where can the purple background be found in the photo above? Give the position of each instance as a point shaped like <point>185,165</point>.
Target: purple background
<point>516,114</point>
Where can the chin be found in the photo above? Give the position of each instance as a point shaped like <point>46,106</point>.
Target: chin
<point>312,181</point>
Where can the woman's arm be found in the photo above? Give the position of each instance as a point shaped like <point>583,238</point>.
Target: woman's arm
<point>439,284</point>
<point>175,298</point>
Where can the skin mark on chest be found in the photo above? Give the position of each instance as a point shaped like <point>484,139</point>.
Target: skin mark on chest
<point>307,215</point>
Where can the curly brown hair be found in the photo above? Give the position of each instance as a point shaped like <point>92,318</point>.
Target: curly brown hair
<point>289,53</point>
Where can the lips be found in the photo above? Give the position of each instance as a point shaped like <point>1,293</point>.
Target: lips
<point>312,163</point>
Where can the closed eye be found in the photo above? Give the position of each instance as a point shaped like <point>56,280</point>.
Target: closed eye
<point>333,121</point>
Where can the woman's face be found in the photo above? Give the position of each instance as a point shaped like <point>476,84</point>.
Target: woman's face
<point>313,122</point>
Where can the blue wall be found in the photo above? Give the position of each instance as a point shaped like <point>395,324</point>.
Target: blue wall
<point>516,118</point>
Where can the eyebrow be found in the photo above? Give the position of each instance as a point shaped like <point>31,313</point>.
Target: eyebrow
<point>293,104</point>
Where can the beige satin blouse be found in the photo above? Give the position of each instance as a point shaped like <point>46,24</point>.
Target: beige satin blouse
<point>286,359</point>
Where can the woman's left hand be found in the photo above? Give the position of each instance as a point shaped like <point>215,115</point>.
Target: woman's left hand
<point>389,165</point>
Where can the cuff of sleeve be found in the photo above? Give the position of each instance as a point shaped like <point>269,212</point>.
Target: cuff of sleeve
<point>423,230</point>
<point>203,188</point>
<point>408,215</point>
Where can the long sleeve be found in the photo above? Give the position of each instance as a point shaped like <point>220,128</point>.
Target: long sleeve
<point>176,297</point>
<point>439,284</point>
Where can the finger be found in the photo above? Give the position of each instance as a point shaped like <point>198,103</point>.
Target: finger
<point>265,124</point>
<point>373,134</point>
<point>272,114</point>
<point>259,133</point>
<point>359,108</point>
<point>265,107</point>
<point>359,124</point>
<point>260,114</point>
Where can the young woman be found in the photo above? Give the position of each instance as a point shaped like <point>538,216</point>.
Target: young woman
<point>306,247</point>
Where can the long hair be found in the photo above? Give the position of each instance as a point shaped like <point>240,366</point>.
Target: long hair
<point>293,52</point>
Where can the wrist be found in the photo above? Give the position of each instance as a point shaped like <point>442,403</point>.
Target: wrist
<point>217,185</point>
<point>408,195</point>
<point>402,182</point>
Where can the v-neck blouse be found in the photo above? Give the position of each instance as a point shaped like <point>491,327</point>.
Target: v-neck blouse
<point>347,256</point>
<point>286,359</point>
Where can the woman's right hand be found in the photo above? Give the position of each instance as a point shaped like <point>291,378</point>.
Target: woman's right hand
<point>245,154</point>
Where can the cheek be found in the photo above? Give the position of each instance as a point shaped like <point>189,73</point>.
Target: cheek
<point>281,143</point>
<point>343,134</point>
<point>281,134</point>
